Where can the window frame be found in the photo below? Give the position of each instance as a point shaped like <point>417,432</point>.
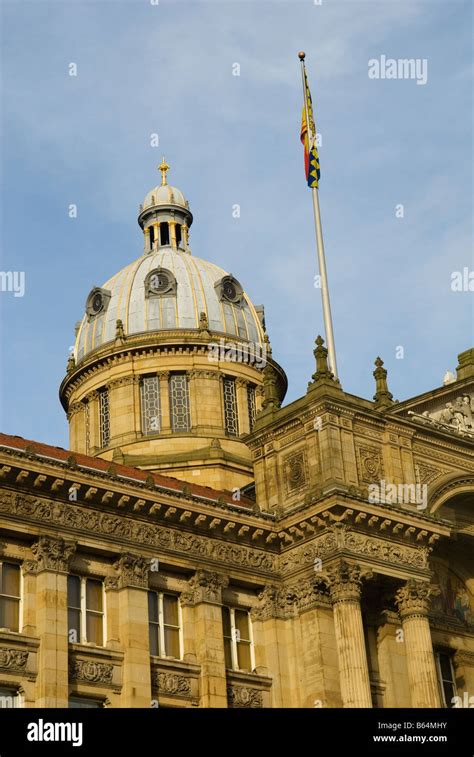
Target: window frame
<point>230,381</point>
<point>161,625</point>
<point>11,596</point>
<point>14,695</point>
<point>442,680</point>
<point>251,405</point>
<point>171,378</point>
<point>104,399</point>
<point>143,418</point>
<point>83,611</point>
<point>233,638</point>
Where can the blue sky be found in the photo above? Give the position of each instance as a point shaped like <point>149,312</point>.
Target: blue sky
<point>167,69</point>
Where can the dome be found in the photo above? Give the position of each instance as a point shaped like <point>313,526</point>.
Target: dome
<point>165,195</point>
<point>194,287</point>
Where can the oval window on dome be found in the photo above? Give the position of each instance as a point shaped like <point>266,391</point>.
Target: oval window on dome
<point>97,302</point>
<point>228,288</point>
<point>160,281</point>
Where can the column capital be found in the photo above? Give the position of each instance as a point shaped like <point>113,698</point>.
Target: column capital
<point>52,554</point>
<point>344,581</point>
<point>132,571</point>
<point>204,586</point>
<point>413,599</point>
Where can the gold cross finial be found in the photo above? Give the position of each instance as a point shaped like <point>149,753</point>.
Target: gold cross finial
<point>163,167</point>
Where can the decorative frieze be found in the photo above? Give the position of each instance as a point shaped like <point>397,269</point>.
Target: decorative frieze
<point>244,696</point>
<point>135,532</point>
<point>204,586</point>
<point>52,553</point>
<point>288,601</point>
<point>13,660</point>
<point>341,539</point>
<point>87,671</point>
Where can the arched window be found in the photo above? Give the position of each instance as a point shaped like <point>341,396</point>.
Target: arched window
<point>178,235</point>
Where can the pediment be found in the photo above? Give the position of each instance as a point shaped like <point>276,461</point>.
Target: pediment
<point>451,410</point>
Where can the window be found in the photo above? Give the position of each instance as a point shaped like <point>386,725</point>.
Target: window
<point>82,702</point>
<point>230,407</point>
<point>164,615</point>
<point>150,402</point>
<point>446,678</point>
<point>152,236</point>
<point>251,405</point>
<point>238,642</point>
<point>9,698</point>
<point>164,233</point>
<point>9,596</point>
<point>179,402</point>
<point>85,610</point>
<point>178,235</point>
<point>104,418</point>
<point>88,426</point>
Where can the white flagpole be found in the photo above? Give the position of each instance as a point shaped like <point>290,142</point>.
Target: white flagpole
<point>320,243</point>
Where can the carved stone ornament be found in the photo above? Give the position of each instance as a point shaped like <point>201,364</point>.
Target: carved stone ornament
<point>456,416</point>
<point>132,571</point>
<point>88,671</point>
<point>80,518</point>
<point>170,683</point>
<point>370,464</point>
<point>413,599</point>
<point>345,581</point>
<point>52,553</point>
<point>295,471</point>
<point>288,601</point>
<point>13,660</point>
<point>244,696</point>
<point>204,586</point>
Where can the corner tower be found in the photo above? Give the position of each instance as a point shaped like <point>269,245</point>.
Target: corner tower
<point>167,368</point>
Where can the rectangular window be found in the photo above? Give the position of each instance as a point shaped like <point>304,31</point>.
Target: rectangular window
<point>230,407</point>
<point>84,702</point>
<point>179,402</point>
<point>9,698</point>
<point>85,610</point>
<point>88,426</point>
<point>164,615</point>
<point>251,405</point>
<point>238,642</point>
<point>150,402</point>
<point>446,679</point>
<point>9,596</point>
<point>104,418</point>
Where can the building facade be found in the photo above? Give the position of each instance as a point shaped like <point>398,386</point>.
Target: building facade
<point>201,545</point>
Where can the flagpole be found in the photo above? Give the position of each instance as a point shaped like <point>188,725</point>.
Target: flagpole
<point>320,243</point>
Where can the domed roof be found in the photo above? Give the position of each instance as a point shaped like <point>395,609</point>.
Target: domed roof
<point>126,296</point>
<point>165,195</point>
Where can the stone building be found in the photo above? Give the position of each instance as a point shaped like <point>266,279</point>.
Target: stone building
<point>201,545</point>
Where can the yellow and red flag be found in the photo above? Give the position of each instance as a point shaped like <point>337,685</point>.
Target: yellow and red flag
<point>311,157</point>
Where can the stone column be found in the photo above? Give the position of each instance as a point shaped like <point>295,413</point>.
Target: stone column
<point>133,629</point>
<point>413,603</point>
<point>344,581</point>
<point>165,427</point>
<point>205,596</point>
<point>94,425</point>
<point>156,243</point>
<point>52,556</point>
<point>242,406</point>
<point>172,225</point>
<point>147,239</point>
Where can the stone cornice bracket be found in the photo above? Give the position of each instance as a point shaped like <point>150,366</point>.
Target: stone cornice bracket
<point>53,554</point>
<point>132,571</point>
<point>382,397</point>
<point>204,586</point>
<point>344,581</point>
<point>413,599</point>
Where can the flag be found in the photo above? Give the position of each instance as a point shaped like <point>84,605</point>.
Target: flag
<point>311,157</point>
